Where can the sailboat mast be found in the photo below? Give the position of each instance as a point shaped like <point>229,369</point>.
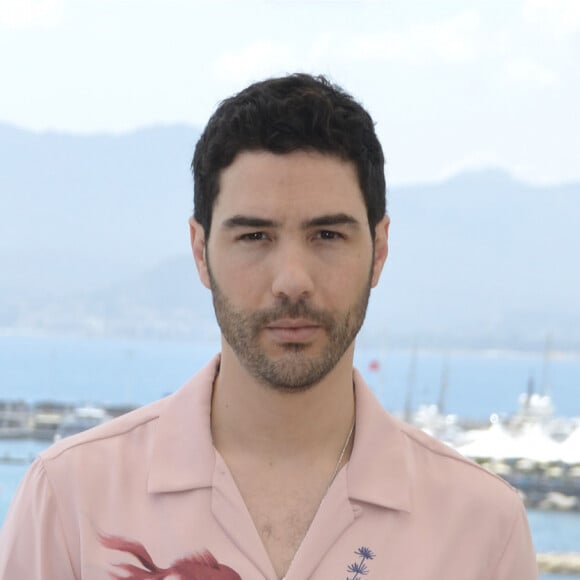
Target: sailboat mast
<point>545,385</point>
<point>411,379</point>
<point>443,387</point>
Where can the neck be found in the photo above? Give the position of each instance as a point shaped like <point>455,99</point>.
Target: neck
<point>251,418</point>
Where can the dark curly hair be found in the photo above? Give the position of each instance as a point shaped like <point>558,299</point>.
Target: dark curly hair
<point>280,115</point>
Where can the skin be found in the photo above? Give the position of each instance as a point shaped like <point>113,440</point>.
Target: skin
<point>290,260</point>
<point>293,324</point>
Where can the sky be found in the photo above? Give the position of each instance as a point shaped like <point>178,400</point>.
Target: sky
<point>451,84</point>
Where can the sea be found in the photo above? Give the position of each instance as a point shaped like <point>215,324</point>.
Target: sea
<point>112,371</point>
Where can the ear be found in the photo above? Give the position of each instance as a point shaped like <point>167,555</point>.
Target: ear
<point>197,237</point>
<point>381,249</point>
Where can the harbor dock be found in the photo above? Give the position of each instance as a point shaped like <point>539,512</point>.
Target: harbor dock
<point>559,563</point>
<point>40,421</point>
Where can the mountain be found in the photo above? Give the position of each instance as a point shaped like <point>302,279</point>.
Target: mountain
<point>79,211</point>
<point>95,240</point>
<point>482,257</point>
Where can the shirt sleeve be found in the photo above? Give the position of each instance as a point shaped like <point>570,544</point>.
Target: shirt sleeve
<point>518,561</point>
<point>32,540</point>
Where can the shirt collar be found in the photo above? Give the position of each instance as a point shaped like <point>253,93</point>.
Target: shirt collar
<point>183,457</point>
<point>378,471</point>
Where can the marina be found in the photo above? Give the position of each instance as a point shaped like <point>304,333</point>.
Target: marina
<point>45,421</point>
<point>483,396</point>
<point>535,451</point>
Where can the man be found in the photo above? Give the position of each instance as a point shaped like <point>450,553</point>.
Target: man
<point>275,461</point>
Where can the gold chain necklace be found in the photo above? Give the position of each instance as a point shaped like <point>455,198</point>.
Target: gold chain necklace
<point>334,473</point>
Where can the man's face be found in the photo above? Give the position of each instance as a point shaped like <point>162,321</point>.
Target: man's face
<point>290,263</point>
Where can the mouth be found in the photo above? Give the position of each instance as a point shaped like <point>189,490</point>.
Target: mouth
<point>293,329</point>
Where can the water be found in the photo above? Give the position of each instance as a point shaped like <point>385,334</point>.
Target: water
<point>114,371</point>
<point>96,370</point>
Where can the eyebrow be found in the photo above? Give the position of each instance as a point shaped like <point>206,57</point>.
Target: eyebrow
<point>335,219</point>
<point>248,221</point>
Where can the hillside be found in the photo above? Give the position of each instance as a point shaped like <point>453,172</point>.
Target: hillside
<point>94,240</point>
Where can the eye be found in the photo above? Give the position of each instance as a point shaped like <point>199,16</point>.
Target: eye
<point>253,237</point>
<point>329,235</point>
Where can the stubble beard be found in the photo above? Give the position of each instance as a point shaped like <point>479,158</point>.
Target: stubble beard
<point>295,369</point>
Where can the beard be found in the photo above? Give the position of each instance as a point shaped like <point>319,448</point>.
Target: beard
<point>294,369</point>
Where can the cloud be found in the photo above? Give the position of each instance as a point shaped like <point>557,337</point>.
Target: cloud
<point>26,14</point>
<point>255,61</point>
<point>531,73</point>
<point>562,17</point>
<point>453,40</point>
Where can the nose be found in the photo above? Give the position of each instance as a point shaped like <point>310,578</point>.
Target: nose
<point>292,277</point>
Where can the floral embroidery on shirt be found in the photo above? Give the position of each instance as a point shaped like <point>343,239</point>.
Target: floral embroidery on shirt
<point>202,566</point>
<point>359,568</point>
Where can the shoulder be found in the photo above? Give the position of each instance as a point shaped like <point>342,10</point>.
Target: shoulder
<point>439,469</point>
<point>136,430</point>
<point>101,456</point>
<point>394,459</point>
<point>427,448</point>
<point>115,432</point>
<point>473,505</point>
<point>428,467</point>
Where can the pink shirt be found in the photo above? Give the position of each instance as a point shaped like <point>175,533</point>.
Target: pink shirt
<point>147,496</point>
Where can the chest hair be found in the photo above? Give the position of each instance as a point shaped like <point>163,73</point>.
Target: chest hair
<point>282,510</point>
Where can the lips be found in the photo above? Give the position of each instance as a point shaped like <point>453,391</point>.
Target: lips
<point>293,330</point>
